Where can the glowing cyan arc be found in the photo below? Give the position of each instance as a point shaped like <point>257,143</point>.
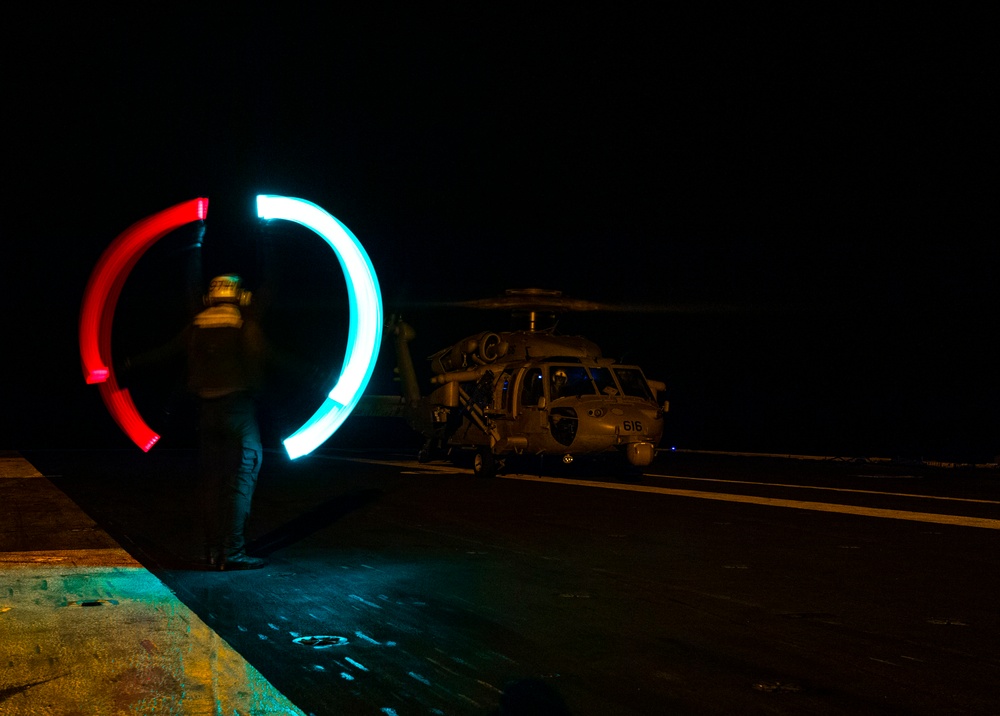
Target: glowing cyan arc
<point>365,332</point>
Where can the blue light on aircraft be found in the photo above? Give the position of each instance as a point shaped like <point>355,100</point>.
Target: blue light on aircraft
<point>365,331</point>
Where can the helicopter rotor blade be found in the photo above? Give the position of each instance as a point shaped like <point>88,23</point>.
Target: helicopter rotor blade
<point>570,305</point>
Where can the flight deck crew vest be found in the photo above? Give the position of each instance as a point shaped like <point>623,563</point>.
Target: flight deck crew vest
<point>223,354</point>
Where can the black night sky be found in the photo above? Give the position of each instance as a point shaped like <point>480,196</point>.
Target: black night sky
<point>796,176</point>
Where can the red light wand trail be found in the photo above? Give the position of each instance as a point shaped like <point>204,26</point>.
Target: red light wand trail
<point>100,300</point>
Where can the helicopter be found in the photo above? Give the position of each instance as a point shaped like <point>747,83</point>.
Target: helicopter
<point>527,391</point>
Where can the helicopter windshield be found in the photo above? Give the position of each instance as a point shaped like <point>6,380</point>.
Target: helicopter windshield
<point>604,380</point>
<point>633,382</point>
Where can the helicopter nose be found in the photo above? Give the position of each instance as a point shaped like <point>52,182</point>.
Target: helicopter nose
<point>635,424</point>
<point>640,454</point>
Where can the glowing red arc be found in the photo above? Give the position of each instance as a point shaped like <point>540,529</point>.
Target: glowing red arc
<point>98,311</point>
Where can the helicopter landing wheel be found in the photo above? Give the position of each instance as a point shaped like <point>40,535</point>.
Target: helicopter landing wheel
<point>485,463</point>
<point>427,452</point>
<point>433,449</point>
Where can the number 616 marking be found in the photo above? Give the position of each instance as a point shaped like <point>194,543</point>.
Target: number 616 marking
<point>630,426</point>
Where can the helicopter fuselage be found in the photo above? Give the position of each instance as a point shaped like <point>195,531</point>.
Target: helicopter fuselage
<point>532,392</point>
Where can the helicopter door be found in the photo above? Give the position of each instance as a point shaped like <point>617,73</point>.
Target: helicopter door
<point>532,400</point>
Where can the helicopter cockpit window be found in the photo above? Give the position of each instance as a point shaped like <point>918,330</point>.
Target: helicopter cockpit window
<point>633,382</point>
<point>533,387</point>
<point>569,381</point>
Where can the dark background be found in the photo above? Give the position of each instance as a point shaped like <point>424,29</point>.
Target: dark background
<point>812,189</point>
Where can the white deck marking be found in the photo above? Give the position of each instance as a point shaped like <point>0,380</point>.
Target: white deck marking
<point>961,520</point>
<point>823,487</point>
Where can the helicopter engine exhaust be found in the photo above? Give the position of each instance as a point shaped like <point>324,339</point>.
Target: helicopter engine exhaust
<point>481,349</point>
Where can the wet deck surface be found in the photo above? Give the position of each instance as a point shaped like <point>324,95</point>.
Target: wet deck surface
<point>88,630</point>
<point>400,588</point>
